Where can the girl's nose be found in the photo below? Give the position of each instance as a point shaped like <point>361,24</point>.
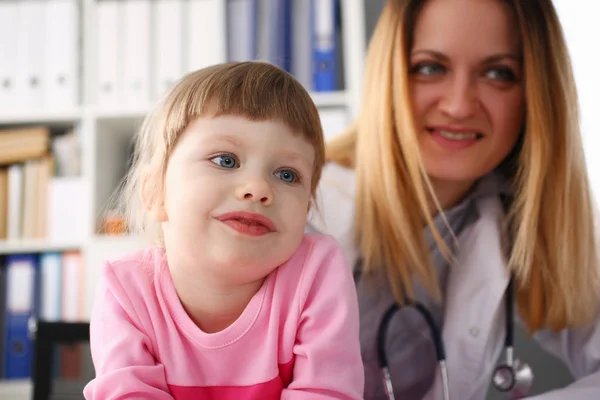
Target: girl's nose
<point>256,190</point>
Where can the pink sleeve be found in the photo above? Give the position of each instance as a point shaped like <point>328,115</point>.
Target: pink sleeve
<point>124,364</point>
<point>328,363</point>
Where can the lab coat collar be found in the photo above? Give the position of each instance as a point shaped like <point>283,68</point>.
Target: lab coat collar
<point>474,306</point>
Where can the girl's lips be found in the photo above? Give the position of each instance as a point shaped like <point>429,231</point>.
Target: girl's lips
<point>247,228</point>
<point>248,223</point>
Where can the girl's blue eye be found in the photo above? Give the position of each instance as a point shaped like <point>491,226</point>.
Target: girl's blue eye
<point>225,161</point>
<point>287,175</point>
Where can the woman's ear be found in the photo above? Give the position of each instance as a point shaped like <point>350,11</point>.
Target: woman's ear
<point>153,200</point>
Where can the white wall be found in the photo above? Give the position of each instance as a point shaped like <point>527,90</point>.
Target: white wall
<point>582,32</point>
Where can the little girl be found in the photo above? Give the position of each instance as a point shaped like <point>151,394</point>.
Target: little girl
<point>233,300</point>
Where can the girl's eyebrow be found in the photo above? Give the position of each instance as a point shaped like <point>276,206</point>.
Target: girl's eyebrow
<point>220,137</point>
<point>295,156</point>
<point>228,138</point>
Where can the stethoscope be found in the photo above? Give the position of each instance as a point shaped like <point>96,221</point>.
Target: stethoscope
<point>512,376</point>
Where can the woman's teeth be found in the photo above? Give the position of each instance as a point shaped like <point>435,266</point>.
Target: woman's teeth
<point>457,136</point>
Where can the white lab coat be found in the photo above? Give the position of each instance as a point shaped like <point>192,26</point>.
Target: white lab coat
<point>474,327</point>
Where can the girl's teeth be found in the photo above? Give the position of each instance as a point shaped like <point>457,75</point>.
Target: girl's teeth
<point>457,136</point>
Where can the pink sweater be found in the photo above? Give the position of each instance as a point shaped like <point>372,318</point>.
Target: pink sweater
<point>296,339</point>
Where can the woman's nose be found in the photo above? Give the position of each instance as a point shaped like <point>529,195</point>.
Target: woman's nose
<point>255,190</point>
<point>459,101</point>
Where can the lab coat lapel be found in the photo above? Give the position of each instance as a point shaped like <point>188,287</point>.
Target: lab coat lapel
<point>473,329</point>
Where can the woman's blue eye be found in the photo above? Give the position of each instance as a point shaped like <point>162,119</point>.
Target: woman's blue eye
<point>501,74</point>
<point>225,161</point>
<point>287,175</point>
<point>427,69</point>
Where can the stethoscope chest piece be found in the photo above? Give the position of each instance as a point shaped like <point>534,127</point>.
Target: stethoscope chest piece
<point>515,380</point>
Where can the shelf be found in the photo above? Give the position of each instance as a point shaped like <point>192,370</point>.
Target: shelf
<point>36,246</point>
<point>40,116</point>
<point>109,114</point>
<point>73,115</point>
<point>330,99</point>
<point>16,390</point>
<point>70,116</point>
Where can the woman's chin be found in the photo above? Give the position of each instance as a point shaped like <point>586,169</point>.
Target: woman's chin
<point>453,174</point>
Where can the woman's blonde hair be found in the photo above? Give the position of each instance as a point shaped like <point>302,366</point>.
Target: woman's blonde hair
<point>255,90</point>
<point>551,219</point>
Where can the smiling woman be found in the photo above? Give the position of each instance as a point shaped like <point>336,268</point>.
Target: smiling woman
<point>461,182</point>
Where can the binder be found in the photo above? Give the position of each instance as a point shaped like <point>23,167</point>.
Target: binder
<point>274,32</point>
<point>136,54</point>
<point>21,300</point>
<point>108,61</point>
<point>30,54</point>
<point>325,45</point>
<point>50,269</point>
<point>8,53</point>
<point>30,198</point>
<point>3,213</point>
<point>284,27</point>
<point>2,316</point>
<point>205,42</point>
<point>242,16</point>
<point>61,54</point>
<point>168,35</point>
<point>15,201</point>
<point>73,287</point>
<point>301,31</point>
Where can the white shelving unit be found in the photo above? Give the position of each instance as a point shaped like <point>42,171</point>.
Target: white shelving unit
<point>103,130</point>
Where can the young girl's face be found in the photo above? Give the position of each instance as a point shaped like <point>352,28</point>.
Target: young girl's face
<point>237,194</point>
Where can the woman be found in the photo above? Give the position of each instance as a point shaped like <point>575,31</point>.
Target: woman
<point>464,168</point>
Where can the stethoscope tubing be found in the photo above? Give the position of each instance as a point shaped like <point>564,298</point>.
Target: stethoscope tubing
<point>440,350</point>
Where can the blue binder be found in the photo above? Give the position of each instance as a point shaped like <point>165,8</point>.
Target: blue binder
<point>324,44</point>
<point>21,299</point>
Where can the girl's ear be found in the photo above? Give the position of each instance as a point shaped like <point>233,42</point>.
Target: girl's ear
<point>153,200</point>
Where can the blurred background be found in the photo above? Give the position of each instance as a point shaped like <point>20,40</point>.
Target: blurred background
<point>77,78</point>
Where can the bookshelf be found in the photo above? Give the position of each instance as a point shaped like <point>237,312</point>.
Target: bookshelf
<point>104,129</point>
<point>37,246</point>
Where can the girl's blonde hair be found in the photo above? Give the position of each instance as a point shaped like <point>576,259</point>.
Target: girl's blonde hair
<point>255,90</point>
<point>552,224</point>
